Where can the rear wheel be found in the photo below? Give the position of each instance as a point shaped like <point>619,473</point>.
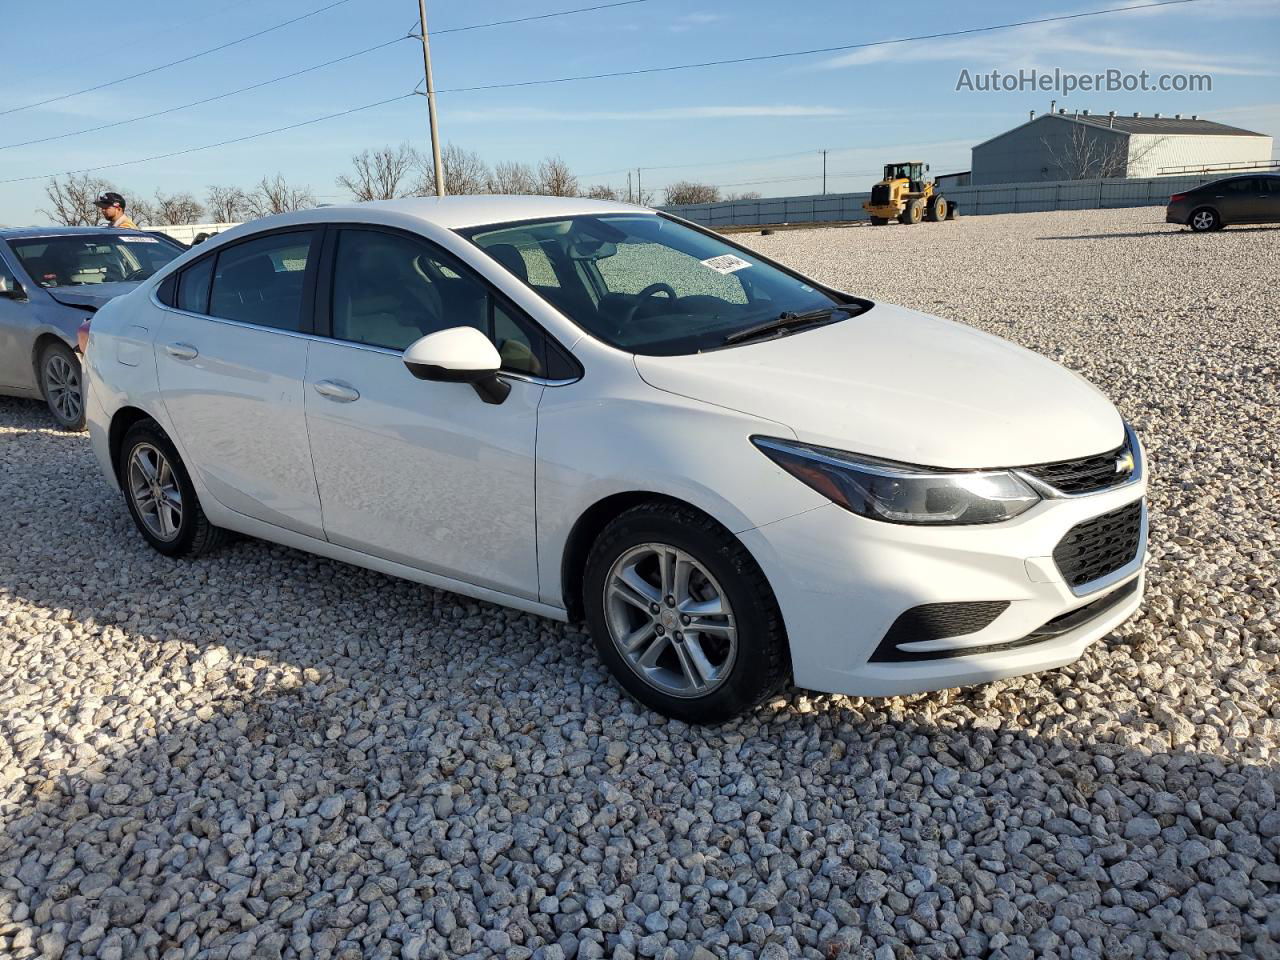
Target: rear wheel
<point>683,616</point>
<point>160,496</point>
<point>912,212</point>
<point>1204,220</point>
<point>937,211</point>
<point>62,384</point>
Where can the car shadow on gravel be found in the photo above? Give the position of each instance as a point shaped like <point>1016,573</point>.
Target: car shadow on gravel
<point>1173,231</point>
<point>266,753</point>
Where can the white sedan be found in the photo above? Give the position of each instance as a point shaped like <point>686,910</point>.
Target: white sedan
<point>737,475</point>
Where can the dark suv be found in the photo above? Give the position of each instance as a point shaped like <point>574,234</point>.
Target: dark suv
<point>1253,198</point>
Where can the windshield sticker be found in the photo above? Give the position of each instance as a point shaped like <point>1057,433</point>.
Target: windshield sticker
<point>139,239</point>
<point>727,263</point>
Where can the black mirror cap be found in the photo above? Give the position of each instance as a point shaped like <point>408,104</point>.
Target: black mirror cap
<point>16,292</point>
<point>490,387</point>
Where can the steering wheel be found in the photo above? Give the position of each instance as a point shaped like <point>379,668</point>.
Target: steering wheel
<point>641,299</point>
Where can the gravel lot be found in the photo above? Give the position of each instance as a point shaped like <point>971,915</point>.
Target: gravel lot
<point>264,754</point>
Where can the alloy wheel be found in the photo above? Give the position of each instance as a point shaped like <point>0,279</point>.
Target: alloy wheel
<point>62,388</point>
<point>1202,220</point>
<point>670,620</point>
<point>153,488</point>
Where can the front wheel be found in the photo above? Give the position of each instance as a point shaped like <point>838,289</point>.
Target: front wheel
<point>683,616</point>
<point>913,212</point>
<point>62,384</point>
<point>1204,220</point>
<point>879,221</point>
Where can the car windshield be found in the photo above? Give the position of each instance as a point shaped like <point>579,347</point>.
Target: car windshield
<point>76,259</point>
<point>647,284</point>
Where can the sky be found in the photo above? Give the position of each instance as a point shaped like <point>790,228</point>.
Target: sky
<point>757,126</point>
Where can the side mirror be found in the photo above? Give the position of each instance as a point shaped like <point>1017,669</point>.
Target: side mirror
<point>13,293</point>
<point>459,355</point>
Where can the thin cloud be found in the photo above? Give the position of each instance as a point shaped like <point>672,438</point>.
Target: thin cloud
<point>691,20</point>
<point>669,113</point>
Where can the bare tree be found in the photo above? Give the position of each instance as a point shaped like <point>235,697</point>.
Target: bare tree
<point>274,195</point>
<point>746,195</point>
<point>555,179</point>
<point>175,209</point>
<point>686,191</point>
<point>600,191</point>
<point>382,174</point>
<point>143,212</point>
<point>464,173</point>
<point>1085,155</point>
<point>72,200</point>
<point>227,204</point>
<point>514,178</point>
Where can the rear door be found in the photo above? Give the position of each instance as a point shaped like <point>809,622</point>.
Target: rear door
<point>231,357</point>
<point>16,324</point>
<point>1238,200</point>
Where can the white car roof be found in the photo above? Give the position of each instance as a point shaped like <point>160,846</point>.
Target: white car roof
<point>476,211</point>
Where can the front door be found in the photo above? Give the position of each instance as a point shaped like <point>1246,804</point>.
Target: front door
<point>231,362</point>
<point>16,326</point>
<point>421,473</point>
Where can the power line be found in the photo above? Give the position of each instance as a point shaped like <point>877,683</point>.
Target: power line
<point>197,103</point>
<point>174,63</point>
<point>539,16</point>
<point>806,53</point>
<point>298,73</point>
<point>211,146</point>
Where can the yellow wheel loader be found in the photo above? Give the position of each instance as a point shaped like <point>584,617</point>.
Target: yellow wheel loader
<point>906,196</point>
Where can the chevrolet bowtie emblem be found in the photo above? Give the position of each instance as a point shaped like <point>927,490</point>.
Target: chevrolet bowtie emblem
<point>1124,463</point>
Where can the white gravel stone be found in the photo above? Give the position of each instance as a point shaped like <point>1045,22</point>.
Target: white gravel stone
<point>265,754</point>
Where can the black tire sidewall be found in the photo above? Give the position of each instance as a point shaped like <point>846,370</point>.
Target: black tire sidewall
<point>70,355</point>
<point>755,614</point>
<point>147,432</point>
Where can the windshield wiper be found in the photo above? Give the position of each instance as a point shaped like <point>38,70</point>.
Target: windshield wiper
<point>782,321</point>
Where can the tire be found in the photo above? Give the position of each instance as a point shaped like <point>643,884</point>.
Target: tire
<point>745,644</point>
<point>62,385</point>
<point>1204,220</point>
<point>879,221</point>
<point>953,211</point>
<point>912,213</point>
<point>188,533</point>
<point>937,210</point>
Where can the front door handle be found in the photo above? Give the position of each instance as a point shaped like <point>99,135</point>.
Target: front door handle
<point>182,351</point>
<point>337,392</point>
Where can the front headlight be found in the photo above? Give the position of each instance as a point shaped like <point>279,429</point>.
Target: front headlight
<point>898,492</point>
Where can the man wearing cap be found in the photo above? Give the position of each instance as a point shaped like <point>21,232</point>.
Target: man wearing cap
<point>112,206</point>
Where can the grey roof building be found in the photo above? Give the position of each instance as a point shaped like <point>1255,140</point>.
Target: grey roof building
<point>1083,145</point>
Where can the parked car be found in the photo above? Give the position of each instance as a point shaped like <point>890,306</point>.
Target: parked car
<point>51,280</point>
<point>736,474</point>
<point>1211,206</point>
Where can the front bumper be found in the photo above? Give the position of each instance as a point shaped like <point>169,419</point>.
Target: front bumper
<point>842,581</point>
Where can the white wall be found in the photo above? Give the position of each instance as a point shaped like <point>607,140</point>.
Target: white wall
<point>186,232</point>
<point>1148,153</point>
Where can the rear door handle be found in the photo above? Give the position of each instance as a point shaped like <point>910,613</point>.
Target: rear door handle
<point>337,392</point>
<point>182,351</point>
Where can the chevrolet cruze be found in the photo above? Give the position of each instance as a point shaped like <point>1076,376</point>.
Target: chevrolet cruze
<point>735,474</point>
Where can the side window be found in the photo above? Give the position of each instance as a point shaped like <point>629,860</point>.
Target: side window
<point>627,270</point>
<point>8,281</point>
<point>261,281</point>
<point>193,287</point>
<point>1246,186</point>
<point>389,290</point>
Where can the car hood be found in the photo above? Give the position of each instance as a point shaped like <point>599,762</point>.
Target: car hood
<point>901,385</point>
<point>90,295</point>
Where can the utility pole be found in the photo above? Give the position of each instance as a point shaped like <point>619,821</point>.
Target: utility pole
<point>824,173</point>
<point>630,198</point>
<point>639,192</point>
<point>431,100</point>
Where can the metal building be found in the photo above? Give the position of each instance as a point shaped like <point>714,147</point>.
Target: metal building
<point>1075,146</point>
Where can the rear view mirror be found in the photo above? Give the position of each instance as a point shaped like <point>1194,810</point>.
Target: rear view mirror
<point>459,355</point>
<point>14,292</point>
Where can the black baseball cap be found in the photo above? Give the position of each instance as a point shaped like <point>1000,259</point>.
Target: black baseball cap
<point>109,199</point>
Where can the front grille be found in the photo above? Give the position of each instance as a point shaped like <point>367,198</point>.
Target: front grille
<point>1100,546</point>
<point>880,194</point>
<point>933,621</point>
<point>1086,474</point>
